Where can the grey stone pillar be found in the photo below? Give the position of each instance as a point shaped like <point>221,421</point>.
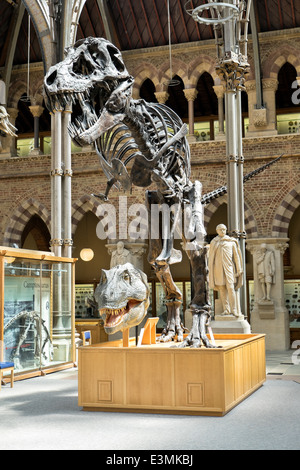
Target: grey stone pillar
<point>219,91</point>
<point>36,111</point>
<point>191,95</point>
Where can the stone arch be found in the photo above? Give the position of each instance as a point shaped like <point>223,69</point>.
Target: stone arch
<point>37,92</point>
<point>39,12</point>
<point>142,73</point>
<point>79,208</point>
<point>17,89</point>
<point>179,68</point>
<point>284,213</point>
<point>250,222</point>
<point>202,64</point>
<point>21,217</point>
<point>278,58</point>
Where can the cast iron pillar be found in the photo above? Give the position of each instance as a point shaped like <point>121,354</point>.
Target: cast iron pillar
<point>230,21</point>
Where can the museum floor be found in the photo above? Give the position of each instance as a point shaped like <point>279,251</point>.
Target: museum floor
<point>42,414</point>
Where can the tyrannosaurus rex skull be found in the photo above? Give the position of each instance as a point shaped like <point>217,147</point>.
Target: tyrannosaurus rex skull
<point>123,297</point>
<point>94,79</point>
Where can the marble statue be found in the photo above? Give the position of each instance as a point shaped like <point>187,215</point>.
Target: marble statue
<point>225,269</point>
<point>265,261</point>
<point>120,255</point>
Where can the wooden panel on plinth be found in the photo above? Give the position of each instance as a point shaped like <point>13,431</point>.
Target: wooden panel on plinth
<point>149,333</point>
<point>95,327</point>
<point>162,378</point>
<point>126,338</point>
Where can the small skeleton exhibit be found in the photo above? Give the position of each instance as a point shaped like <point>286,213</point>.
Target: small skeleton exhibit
<point>36,332</point>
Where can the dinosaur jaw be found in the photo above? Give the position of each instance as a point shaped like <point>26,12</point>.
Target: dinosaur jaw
<point>119,319</point>
<point>88,111</point>
<point>95,109</point>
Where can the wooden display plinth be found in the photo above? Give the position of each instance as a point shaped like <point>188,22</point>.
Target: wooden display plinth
<point>159,378</point>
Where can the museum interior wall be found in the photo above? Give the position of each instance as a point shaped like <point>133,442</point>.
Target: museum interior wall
<point>272,198</point>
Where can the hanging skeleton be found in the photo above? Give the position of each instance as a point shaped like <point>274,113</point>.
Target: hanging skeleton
<point>141,144</point>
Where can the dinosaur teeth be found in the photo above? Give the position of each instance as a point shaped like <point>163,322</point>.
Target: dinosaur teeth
<point>114,312</point>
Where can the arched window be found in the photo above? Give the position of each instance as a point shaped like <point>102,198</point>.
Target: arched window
<point>205,108</point>
<point>287,109</point>
<point>147,91</point>
<point>177,101</point>
<point>36,235</point>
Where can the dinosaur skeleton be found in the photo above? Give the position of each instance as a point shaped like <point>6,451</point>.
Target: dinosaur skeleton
<point>30,319</point>
<point>141,144</point>
<point>5,124</point>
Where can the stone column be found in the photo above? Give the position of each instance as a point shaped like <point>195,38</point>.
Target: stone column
<point>36,111</point>
<point>270,86</point>
<point>262,120</point>
<point>191,95</point>
<point>162,96</point>
<point>219,91</point>
<point>270,316</point>
<point>9,142</point>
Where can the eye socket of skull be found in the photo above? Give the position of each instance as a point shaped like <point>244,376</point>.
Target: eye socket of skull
<point>99,54</point>
<point>82,66</point>
<point>116,58</point>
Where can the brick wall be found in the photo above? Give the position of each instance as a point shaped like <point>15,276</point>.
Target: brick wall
<point>25,182</point>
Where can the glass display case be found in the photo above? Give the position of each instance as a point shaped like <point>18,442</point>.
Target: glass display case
<point>84,294</point>
<point>292,303</point>
<point>36,309</point>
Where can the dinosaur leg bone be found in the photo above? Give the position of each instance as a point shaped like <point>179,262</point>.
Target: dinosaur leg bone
<point>173,295</point>
<point>197,252</point>
<point>173,326</point>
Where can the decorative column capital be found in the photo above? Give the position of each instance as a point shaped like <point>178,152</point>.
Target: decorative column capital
<point>250,86</point>
<point>280,244</point>
<point>36,111</point>
<point>162,96</point>
<point>281,247</point>
<point>270,84</point>
<point>219,91</point>
<point>190,94</point>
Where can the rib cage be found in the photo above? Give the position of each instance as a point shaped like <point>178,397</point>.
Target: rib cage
<point>144,131</point>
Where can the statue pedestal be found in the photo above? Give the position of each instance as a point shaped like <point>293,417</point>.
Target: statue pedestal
<point>266,309</point>
<point>270,316</point>
<point>229,324</point>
